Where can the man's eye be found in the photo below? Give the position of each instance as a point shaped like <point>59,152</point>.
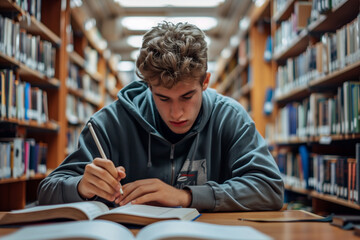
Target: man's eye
<point>163,99</point>
<point>187,97</point>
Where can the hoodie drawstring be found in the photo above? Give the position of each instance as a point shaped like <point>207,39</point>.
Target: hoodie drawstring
<point>149,163</point>
<point>194,152</point>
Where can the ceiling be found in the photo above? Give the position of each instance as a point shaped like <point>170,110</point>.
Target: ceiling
<point>108,15</point>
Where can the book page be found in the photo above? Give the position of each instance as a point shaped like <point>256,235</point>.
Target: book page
<point>91,208</point>
<point>97,229</point>
<point>156,212</point>
<point>175,229</point>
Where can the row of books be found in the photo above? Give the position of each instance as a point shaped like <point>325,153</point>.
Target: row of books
<point>297,72</point>
<point>279,5</point>
<point>332,53</point>
<point>78,111</point>
<point>320,7</point>
<point>290,29</point>
<point>73,133</point>
<point>327,174</point>
<point>339,49</point>
<point>73,79</point>
<point>88,87</point>
<point>244,51</point>
<point>19,100</point>
<point>28,49</point>
<point>21,156</point>
<point>91,60</point>
<point>322,114</point>
<point>111,82</point>
<point>33,7</point>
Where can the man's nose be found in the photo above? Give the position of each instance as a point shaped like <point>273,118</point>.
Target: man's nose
<point>176,110</point>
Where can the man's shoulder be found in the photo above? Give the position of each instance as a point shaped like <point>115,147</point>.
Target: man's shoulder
<point>222,101</point>
<point>109,111</point>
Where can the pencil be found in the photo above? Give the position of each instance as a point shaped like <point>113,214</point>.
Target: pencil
<point>102,153</point>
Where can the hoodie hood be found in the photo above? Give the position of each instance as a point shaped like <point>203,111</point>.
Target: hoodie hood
<point>137,99</point>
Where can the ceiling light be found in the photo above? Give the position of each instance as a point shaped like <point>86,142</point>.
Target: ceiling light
<point>234,41</point>
<point>89,24</point>
<point>134,41</point>
<point>146,23</point>
<point>167,3</point>
<point>226,53</point>
<point>126,66</point>
<point>244,23</point>
<point>208,40</point>
<point>259,3</point>
<point>75,3</point>
<point>134,54</point>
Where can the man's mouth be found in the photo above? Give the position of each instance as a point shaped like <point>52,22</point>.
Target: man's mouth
<point>178,123</point>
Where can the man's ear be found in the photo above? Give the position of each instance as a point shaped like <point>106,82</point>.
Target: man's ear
<point>206,81</point>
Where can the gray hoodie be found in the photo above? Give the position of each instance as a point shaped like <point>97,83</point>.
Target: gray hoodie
<point>222,159</point>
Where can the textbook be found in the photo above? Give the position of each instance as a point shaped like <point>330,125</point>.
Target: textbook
<point>90,210</point>
<point>345,221</point>
<point>106,230</point>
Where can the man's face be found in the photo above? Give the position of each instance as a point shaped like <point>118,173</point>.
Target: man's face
<point>180,105</point>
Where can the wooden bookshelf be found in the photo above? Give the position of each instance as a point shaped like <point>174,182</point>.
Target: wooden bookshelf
<point>246,76</point>
<point>324,197</point>
<point>285,11</point>
<point>295,94</point>
<point>16,189</point>
<point>339,144</point>
<point>52,28</point>
<point>38,28</point>
<point>297,46</point>
<point>320,139</point>
<point>337,77</point>
<point>30,23</point>
<point>80,94</point>
<point>26,73</point>
<point>77,59</point>
<point>335,18</point>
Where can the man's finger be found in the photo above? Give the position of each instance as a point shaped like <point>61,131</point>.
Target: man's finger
<point>106,164</point>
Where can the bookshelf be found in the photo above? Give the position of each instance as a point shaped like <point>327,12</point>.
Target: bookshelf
<point>312,81</point>
<point>25,75</point>
<point>239,76</point>
<point>92,80</point>
<point>304,82</point>
<point>44,124</point>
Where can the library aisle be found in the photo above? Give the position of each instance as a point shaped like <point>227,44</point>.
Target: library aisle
<point>293,65</point>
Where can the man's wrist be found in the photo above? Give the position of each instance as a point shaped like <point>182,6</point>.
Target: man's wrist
<point>188,197</point>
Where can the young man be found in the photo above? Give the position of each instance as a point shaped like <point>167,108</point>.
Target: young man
<point>180,143</point>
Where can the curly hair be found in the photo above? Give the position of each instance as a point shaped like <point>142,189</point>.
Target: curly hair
<point>171,53</point>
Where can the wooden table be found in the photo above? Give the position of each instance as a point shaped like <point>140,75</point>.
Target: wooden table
<point>277,230</point>
<point>280,230</point>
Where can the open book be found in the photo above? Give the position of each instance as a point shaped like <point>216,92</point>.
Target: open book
<point>101,229</point>
<point>90,210</point>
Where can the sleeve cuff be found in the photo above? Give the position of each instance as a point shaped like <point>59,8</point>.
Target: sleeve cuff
<point>202,197</point>
<point>70,192</point>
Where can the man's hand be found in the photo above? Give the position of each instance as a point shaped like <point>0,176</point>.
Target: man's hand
<point>101,178</point>
<point>154,192</point>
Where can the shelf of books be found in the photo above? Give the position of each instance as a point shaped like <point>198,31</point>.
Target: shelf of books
<point>92,80</point>
<point>247,74</point>
<point>54,75</point>
<point>317,131</point>
<point>30,83</point>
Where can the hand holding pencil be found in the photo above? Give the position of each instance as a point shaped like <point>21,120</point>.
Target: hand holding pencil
<point>101,178</point>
